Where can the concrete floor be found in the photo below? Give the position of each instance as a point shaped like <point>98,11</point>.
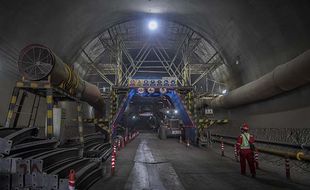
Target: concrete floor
<point>150,163</point>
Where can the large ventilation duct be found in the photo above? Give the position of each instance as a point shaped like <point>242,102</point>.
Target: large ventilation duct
<point>37,62</point>
<point>283,78</point>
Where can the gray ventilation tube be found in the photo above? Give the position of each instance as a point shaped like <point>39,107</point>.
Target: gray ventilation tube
<point>285,77</point>
<point>37,62</point>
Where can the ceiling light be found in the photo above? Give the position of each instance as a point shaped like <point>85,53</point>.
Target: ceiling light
<point>153,25</point>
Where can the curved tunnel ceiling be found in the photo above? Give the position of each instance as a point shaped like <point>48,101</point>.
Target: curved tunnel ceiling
<point>259,35</point>
<point>143,53</point>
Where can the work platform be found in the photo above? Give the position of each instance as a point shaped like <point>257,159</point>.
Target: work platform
<point>150,163</point>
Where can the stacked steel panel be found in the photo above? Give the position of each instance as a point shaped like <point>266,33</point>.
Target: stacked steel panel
<point>29,162</point>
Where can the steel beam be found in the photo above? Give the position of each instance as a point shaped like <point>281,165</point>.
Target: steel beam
<point>137,61</point>
<point>206,71</point>
<point>92,64</point>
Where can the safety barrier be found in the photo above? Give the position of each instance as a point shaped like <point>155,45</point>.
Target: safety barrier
<point>291,155</point>
<point>222,147</point>
<point>113,159</point>
<point>118,145</point>
<point>236,153</point>
<point>300,156</point>
<point>306,147</point>
<point>256,159</point>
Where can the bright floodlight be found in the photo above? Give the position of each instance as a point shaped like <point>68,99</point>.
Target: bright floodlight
<point>175,111</point>
<point>224,91</point>
<point>167,111</point>
<point>133,117</point>
<point>153,25</point>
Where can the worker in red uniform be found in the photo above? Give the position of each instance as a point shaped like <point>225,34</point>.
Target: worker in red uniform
<point>244,150</point>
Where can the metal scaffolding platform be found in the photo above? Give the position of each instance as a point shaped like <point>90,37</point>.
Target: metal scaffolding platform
<point>51,93</point>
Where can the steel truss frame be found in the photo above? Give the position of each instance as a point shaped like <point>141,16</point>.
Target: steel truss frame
<point>175,53</point>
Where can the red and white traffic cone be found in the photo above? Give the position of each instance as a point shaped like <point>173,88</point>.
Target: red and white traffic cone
<point>113,164</point>
<point>222,146</point>
<point>114,149</point>
<point>287,168</point>
<point>113,159</point>
<point>236,154</point>
<point>72,180</point>
<point>256,159</point>
<point>118,144</point>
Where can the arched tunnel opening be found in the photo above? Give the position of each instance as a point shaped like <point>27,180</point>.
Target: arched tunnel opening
<point>147,94</point>
<point>153,113</point>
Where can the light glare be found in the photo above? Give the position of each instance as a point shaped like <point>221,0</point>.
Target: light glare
<point>153,25</point>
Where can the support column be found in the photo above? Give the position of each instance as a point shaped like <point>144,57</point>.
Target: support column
<point>118,60</point>
<point>113,105</point>
<point>49,120</point>
<point>186,75</point>
<point>80,126</point>
<point>11,107</point>
<point>195,111</point>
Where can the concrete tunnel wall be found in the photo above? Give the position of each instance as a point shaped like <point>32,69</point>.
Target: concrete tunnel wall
<point>259,34</point>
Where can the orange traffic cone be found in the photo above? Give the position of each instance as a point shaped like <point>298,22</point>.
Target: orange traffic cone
<point>72,180</point>
<point>118,144</point>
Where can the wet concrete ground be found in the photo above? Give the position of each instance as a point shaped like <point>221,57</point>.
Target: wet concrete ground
<point>149,163</point>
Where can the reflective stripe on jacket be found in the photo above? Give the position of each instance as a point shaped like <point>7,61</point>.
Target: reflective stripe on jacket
<point>245,141</point>
<point>242,142</point>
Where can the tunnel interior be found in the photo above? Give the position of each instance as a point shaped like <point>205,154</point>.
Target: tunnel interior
<point>169,88</point>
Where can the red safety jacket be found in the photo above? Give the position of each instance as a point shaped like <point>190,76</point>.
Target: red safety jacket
<point>244,141</point>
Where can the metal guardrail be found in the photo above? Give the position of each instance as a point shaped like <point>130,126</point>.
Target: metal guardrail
<point>298,155</point>
<point>307,147</point>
